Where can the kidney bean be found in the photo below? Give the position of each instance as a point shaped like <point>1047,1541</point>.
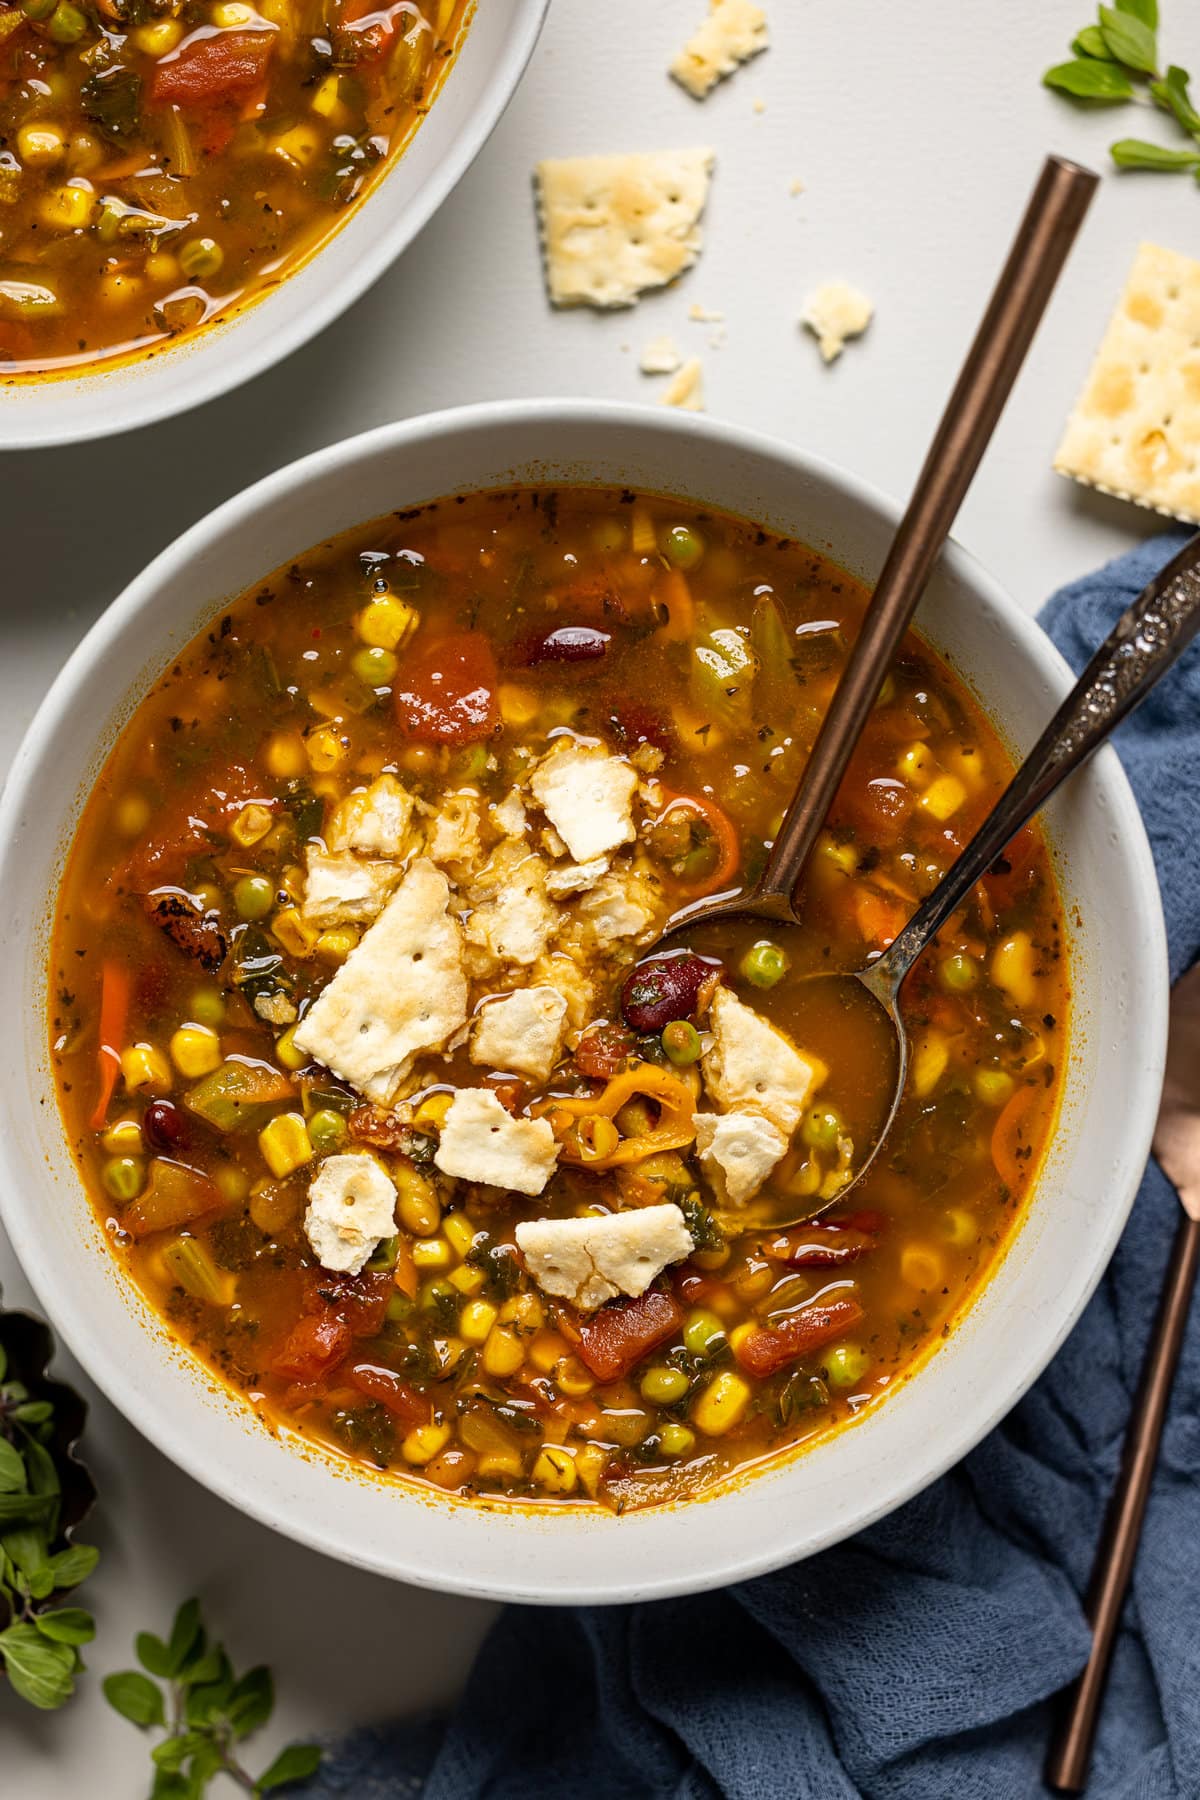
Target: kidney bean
<point>165,1127</point>
<point>566,643</point>
<point>664,988</point>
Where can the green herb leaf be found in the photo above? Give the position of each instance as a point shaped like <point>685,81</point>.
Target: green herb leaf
<point>135,1697</point>
<point>24,1509</point>
<point>43,1475</point>
<point>1090,42</point>
<point>1104,82</point>
<point>153,1654</point>
<point>1133,153</point>
<point>184,1633</point>
<point>252,1702</point>
<point>27,1549</point>
<point>73,1565</point>
<point>40,1671</point>
<point>296,1763</point>
<point>41,1583</point>
<point>174,1751</point>
<point>1171,93</point>
<point>34,1412</point>
<point>1130,40</point>
<point>67,1625</point>
<point>12,1469</point>
<point>1145,10</point>
<point>3,1362</point>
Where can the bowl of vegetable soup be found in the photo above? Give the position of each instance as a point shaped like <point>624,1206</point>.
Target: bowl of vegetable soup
<point>193,188</point>
<point>354,1145</point>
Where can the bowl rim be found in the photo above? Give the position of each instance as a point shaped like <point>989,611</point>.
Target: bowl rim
<point>789,1542</point>
<point>146,401</point>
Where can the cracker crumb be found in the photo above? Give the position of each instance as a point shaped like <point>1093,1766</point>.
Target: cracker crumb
<point>795,186</point>
<point>1135,429</point>
<point>660,356</point>
<point>760,106</point>
<point>733,32</point>
<point>835,313</point>
<point>614,226</point>
<point>686,388</point>
<point>703,316</point>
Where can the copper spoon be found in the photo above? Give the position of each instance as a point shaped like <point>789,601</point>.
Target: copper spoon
<point>1177,1147</point>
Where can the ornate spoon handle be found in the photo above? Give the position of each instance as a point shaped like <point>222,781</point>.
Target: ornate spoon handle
<point>1147,639</point>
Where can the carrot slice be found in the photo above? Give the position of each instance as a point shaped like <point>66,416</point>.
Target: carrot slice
<point>729,848</point>
<point>1013,1145</point>
<point>114,1013</point>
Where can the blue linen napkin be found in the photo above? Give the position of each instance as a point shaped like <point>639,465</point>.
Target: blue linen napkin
<point>914,1661</point>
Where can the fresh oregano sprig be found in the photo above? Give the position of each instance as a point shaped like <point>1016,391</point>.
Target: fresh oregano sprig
<point>1117,60</point>
<point>203,1711</point>
<point>39,1646</point>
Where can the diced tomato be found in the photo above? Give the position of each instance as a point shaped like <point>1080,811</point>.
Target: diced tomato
<point>386,1387</point>
<point>212,71</point>
<point>198,809</point>
<point>315,1343</point>
<point>359,1299</point>
<point>819,1246</point>
<point>446,693</point>
<point>1013,873</point>
<point>602,1050</point>
<point>696,1289</point>
<point>615,1339</point>
<point>764,1352</point>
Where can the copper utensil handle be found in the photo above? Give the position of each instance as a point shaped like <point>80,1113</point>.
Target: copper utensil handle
<point>1145,643</point>
<point>1071,1748</point>
<point>1040,248</point>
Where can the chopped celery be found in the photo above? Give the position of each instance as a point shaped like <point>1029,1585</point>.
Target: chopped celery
<point>173,1196</point>
<point>236,1095</point>
<point>723,671</point>
<point>195,1271</point>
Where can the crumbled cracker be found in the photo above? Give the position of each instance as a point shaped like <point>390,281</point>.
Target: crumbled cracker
<point>686,388</point>
<point>834,313</point>
<point>760,106</point>
<point>660,356</point>
<point>795,186</point>
<point>703,315</point>
<point>1135,430</point>
<point>613,226</point>
<point>733,32</point>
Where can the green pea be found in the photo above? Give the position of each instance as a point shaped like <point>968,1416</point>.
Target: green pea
<point>608,535</point>
<point>822,1128</point>
<point>993,1086</point>
<point>764,964</point>
<point>471,763</point>
<point>676,1440</point>
<point>200,257</point>
<point>434,1292</point>
<point>681,1042</point>
<point>398,1307</point>
<point>254,896</point>
<point>326,1130</point>
<point>374,667</point>
<point>703,1333</point>
<point>38,9</point>
<point>122,1177</point>
<point>385,1252</point>
<point>663,1386</point>
<point>208,1007</point>
<point>958,973</point>
<point>846,1364</point>
<point>683,546</point>
<point>67,24</point>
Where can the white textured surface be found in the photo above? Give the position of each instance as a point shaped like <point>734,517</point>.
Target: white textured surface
<point>916,146</point>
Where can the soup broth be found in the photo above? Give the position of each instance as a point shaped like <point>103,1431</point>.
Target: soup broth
<point>371,1090</point>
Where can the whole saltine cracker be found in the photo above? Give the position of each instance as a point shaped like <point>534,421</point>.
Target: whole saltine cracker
<point>613,226</point>
<point>1135,430</point>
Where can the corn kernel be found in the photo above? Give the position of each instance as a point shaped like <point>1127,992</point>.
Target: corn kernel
<point>424,1443</point>
<point>917,766</point>
<point>722,1405</point>
<point>843,857</point>
<point>547,1348</point>
<point>960,1227</point>
<point>144,1066</point>
<point>1012,968</point>
<point>571,1378</point>
<point>944,796</point>
<point>286,1051</point>
<point>476,1320</point>
<point>162,269</point>
<point>132,814</point>
<point>459,1229</point>
<point>195,1051</point>
<point>433,1110</point>
<point>740,1333</point>
<point>118,288</point>
<point>39,144</point>
<point>432,1253</point>
<point>232,15</point>
<point>325,748</point>
<point>123,1138</point>
<point>503,1353</point>
<point>157,37</point>
<point>251,824</point>
<point>294,932</point>
<point>284,757</point>
<point>519,706</point>
<point>597,1137</point>
<point>327,99</point>
<point>555,1470</point>
<point>69,208</point>
<point>300,146</point>
<point>468,1280</point>
<point>525,1310</point>
<point>499,1464</point>
<point>921,1267</point>
<point>929,1063</point>
<point>285,1144</point>
<point>335,946</point>
<point>590,1464</point>
<point>420,1210</point>
<point>386,623</point>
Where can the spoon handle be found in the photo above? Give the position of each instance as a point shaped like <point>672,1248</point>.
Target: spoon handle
<point>1146,641</point>
<point>1040,248</point>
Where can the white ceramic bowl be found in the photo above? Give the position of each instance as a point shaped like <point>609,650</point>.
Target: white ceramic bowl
<point>481,82</point>
<point>801,1504</point>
